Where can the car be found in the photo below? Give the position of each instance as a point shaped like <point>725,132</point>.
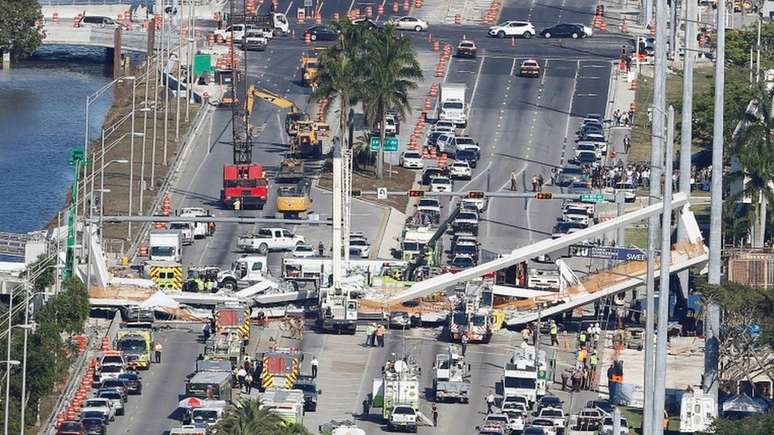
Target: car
<point>590,121</point>
<point>467,155</point>
<point>409,23</point>
<point>390,125</point>
<point>308,386</point>
<point>591,128</point>
<point>530,68</point>
<point>543,423</point>
<point>94,426</point>
<point>429,173</point>
<point>586,29</point>
<point>605,406</point>
<point>460,170</point>
<point>500,419</point>
<point>411,160</point>
<point>117,384</point>
<point>599,146</point>
<point>591,136</point>
<point>588,157</point>
<point>367,22</point>
<point>254,40</point>
<point>460,262</point>
<point>596,116</point>
<point>574,213</point>
<point>533,430</point>
<point>432,138</point>
<point>516,399</point>
<point>102,403</point>
<point>466,143</point>
<point>399,320</point>
<point>470,249</point>
<point>304,251</point>
<point>579,187</point>
<point>440,184</point>
<point>357,235</point>
<point>71,427</point>
<point>563,228</point>
<point>555,414</point>
<point>607,426</point>
<point>524,29</point>
<point>627,189</point>
<point>563,31</point>
<point>110,371</point>
<point>589,419</point>
<point>587,146</point>
<point>97,21</point>
<point>362,245</point>
<point>550,401</point>
<point>321,33</point>
<point>429,205</point>
<point>444,126</point>
<point>98,413</point>
<point>568,175</point>
<point>115,398</point>
<point>133,382</point>
<point>466,48</point>
<point>466,221</point>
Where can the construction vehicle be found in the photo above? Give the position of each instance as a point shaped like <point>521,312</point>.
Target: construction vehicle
<point>245,271</point>
<point>279,368</point>
<point>244,186</point>
<point>337,312</point>
<point>288,405</point>
<point>233,318</point>
<point>166,275</point>
<point>473,316</point>
<point>136,346</point>
<point>290,171</point>
<point>396,392</point>
<point>293,200</point>
<point>201,229</point>
<point>310,65</point>
<point>451,373</point>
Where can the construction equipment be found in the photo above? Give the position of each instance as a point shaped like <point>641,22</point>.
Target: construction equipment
<point>293,200</point>
<point>337,312</point>
<point>310,65</point>
<point>244,186</point>
<point>451,376</point>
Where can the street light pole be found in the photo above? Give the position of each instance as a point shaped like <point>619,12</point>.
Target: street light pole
<point>8,359</point>
<point>27,294</point>
<point>131,157</point>
<point>712,313</point>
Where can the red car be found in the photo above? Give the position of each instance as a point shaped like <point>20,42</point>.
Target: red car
<point>71,428</point>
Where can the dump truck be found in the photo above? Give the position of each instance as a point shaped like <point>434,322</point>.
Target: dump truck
<point>293,200</point>
<point>279,368</point>
<point>288,405</point>
<point>450,376</point>
<point>136,346</point>
<point>310,65</point>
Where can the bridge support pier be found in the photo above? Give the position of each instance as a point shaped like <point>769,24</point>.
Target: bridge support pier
<point>6,60</point>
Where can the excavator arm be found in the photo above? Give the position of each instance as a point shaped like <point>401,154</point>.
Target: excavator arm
<point>254,92</point>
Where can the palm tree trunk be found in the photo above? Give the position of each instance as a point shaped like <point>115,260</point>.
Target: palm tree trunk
<point>380,157</point>
<point>760,233</point>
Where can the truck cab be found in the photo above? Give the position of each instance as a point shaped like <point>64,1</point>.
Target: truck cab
<point>186,230</point>
<point>246,270</point>
<point>200,229</point>
<point>166,246</point>
<point>451,105</point>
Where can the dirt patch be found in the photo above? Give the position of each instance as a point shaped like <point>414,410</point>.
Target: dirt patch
<point>398,179</point>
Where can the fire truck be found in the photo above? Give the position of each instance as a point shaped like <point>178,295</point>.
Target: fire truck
<point>279,368</point>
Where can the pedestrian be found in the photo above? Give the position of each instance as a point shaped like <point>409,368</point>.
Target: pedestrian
<point>540,181</point>
<point>370,329</point>
<point>554,334</point>
<point>534,183</point>
<point>464,342</point>
<point>582,338</point>
<point>513,179</point>
<point>435,415</point>
<point>593,362</point>
<point>248,382</point>
<point>575,381</point>
<point>206,331</point>
<point>241,375</point>
<point>584,378</point>
<point>247,364</point>
<point>564,380</point>
<point>490,400</point>
<point>626,143</point>
<point>157,350</point>
<point>525,333</point>
<point>380,335</point>
<point>366,407</point>
<point>320,249</point>
<point>315,363</point>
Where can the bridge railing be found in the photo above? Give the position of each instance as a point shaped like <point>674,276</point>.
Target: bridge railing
<point>109,2</point>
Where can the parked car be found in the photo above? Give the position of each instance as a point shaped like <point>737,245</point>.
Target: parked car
<point>564,31</point>
<point>133,382</point>
<point>440,184</point>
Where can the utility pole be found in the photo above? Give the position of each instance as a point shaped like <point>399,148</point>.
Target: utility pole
<point>712,312</point>
<point>663,293</point>
<point>656,162</point>
<point>686,129</point>
<point>647,13</point>
<point>131,156</point>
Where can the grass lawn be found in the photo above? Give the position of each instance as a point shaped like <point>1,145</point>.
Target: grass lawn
<point>636,236</point>
<point>640,137</point>
<point>634,418</point>
<point>399,179</point>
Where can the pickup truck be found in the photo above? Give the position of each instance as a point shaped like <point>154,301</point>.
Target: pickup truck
<point>186,229</point>
<point>403,418</point>
<point>556,415</point>
<point>269,239</point>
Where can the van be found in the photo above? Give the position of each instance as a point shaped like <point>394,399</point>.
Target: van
<point>98,21</point>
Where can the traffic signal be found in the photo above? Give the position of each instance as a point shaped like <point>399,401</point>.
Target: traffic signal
<point>543,195</point>
<point>475,195</point>
<point>416,193</point>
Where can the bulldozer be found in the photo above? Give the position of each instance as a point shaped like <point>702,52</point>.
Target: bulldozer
<point>310,65</point>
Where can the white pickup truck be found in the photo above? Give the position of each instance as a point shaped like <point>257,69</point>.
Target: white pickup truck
<point>269,239</point>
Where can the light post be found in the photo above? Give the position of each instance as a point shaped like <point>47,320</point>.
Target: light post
<point>131,151</point>
<point>86,136</point>
<point>26,327</point>
<point>9,362</point>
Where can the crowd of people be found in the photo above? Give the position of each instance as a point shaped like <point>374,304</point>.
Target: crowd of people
<point>583,375</point>
<point>637,175</point>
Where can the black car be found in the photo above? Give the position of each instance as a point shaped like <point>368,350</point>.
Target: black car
<point>466,249</point>
<point>432,138</point>
<point>367,23</point>
<point>430,173</point>
<point>603,405</point>
<point>118,384</point>
<point>321,33</point>
<point>309,387</point>
<point>94,426</point>
<point>591,128</point>
<point>549,401</point>
<point>95,415</point>
<point>573,31</point>
<point>133,382</point>
<point>467,156</point>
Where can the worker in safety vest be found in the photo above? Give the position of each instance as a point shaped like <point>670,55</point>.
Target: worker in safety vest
<point>554,334</point>
<point>582,338</point>
<point>429,256</point>
<point>199,284</point>
<point>593,361</point>
<point>237,204</point>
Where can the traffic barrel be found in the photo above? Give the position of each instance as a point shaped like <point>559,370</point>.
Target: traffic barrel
<point>425,154</point>
<point>458,19</point>
<point>318,18</point>
<point>436,45</point>
<point>307,38</point>
<point>55,17</point>
<point>653,28</point>
<point>426,106</point>
<point>633,86</point>
<point>335,16</point>
<point>417,3</point>
<point>433,154</point>
<point>513,42</point>
<point>143,250</point>
<point>405,5</point>
<point>624,27</point>
<point>603,26</point>
<point>369,11</point>
<point>633,107</point>
<point>395,7</point>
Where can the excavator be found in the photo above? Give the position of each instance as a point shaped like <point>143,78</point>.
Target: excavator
<point>310,64</point>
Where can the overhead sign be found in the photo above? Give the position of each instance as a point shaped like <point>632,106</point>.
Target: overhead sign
<point>592,197</point>
<point>391,144</point>
<point>608,252</point>
<point>381,193</point>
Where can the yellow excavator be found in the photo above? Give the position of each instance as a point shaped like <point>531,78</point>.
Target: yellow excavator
<point>297,122</point>
<point>310,65</point>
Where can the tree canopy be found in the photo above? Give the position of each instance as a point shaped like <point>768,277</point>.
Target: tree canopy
<point>246,418</point>
<point>21,26</point>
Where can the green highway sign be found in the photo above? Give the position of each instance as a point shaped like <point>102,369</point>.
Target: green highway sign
<point>391,144</point>
<point>592,197</point>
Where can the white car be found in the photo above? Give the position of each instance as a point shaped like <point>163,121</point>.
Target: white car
<point>362,246</point>
<point>390,126</point>
<point>411,160</point>
<point>445,126</point>
<point>101,404</point>
<point>304,251</point>
<point>440,184</point>
<point>626,188</point>
<point>429,205</point>
<point>460,170</point>
<point>523,29</point>
<point>238,32</point>
<point>607,426</point>
<point>409,23</point>
<point>587,146</point>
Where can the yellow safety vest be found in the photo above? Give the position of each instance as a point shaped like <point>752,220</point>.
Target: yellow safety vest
<point>593,359</point>
<point>554,330</point>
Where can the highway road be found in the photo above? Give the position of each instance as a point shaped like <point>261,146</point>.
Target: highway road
<point>522,124</point>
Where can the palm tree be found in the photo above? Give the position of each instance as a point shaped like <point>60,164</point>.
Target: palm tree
<point>246,418</point>
<point>391,70</point>
<point>753,147</point>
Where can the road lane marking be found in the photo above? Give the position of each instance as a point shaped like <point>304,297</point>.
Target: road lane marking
<point>475,85</point>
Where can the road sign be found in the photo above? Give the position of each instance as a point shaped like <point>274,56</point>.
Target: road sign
<point>592,197</point>
<point>381,193</point>
<point>391,144</point>
<point>608,252</point>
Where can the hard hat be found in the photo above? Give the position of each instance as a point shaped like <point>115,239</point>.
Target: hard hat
<point>596,325</point>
